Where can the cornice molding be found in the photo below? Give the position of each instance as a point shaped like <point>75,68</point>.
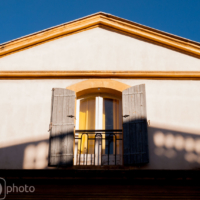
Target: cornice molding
<point>100,74</point>
<point>106,21</point>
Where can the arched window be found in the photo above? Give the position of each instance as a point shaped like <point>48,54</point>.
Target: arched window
<point>97,139</point>
<point>101,114</point>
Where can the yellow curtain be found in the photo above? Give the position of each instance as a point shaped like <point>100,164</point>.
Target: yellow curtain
<point>86,122</point>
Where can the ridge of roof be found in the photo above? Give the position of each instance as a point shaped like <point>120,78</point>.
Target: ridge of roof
<point>104,20</point>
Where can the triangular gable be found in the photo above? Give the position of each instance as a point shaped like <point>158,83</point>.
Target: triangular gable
<point>107,21</point>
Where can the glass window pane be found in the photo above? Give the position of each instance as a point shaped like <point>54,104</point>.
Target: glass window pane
<point>110,121</point>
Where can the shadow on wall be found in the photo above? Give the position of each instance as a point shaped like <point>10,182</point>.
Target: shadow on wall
<point>31,155</point>
<point>36,156</point>
<point>169,149</point>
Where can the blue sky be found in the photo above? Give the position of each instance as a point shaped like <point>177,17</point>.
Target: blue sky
<point>22,17</point>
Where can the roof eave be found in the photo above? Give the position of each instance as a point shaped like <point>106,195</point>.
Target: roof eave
<point>105,21</point>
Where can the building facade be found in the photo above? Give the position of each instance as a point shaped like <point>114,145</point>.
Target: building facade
<point>100,91</point>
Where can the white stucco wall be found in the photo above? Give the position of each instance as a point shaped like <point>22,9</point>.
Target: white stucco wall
<point>173,108</point>
<point>99,49</point>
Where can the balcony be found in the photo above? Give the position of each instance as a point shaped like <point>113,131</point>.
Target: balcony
<point>98,147</point>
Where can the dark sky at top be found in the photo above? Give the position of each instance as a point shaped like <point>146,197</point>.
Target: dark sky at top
<point>23,17</point>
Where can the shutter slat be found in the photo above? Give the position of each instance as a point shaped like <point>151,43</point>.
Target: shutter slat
<point>138,125</point>
<point>62,132</point>
<point>135,136</point>
<point>70,120</point>
<point>132,144</point>
<point>125,99</point>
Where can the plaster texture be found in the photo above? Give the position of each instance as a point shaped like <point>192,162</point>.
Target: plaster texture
<point>99,49</point>
<point>172,108</point>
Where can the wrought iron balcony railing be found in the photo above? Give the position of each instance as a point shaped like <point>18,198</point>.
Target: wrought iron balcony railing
<point>98,147</point>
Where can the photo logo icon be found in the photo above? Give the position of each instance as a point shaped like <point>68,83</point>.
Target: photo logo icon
<point>6,189</point>
<point>2,188</point>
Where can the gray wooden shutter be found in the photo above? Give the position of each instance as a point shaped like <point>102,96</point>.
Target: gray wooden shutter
<point>62,127</point>
<point>135,136</point>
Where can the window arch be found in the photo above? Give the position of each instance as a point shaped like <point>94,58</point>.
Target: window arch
<point>83,87</point>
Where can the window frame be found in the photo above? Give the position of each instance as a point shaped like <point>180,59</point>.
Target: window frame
<point>103,95</point>
<point>98,115</point>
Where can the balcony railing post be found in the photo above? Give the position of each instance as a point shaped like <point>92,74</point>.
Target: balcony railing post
<point>80,150</point>
<point>115,149</point>
<point>101,148</point>
<point>94,148</point>
<point>108,149</point>
<point>87,148</point>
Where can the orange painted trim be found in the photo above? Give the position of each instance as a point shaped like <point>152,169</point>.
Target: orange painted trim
<point>100,74</point>
<point>103,20</point>
<point>98,83</point>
